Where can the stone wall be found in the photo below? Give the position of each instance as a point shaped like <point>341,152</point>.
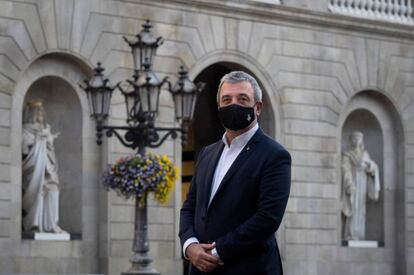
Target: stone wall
<point>312,66</point>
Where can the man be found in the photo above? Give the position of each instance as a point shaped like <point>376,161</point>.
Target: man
<point>239,191</point>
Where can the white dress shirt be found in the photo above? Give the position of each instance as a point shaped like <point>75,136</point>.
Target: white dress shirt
<point>228,156</point>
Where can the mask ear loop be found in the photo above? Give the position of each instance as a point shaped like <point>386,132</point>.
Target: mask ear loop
<point>259,112</point>
<point>256,114</point>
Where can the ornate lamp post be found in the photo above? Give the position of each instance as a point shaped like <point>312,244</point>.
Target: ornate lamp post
<point>142,100</point>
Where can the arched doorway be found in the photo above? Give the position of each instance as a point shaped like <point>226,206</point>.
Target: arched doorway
<point>206,127</point>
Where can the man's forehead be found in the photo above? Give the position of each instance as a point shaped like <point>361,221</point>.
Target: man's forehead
<point>242,87</point>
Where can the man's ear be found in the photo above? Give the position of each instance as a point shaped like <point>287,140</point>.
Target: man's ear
<point>258,109</point>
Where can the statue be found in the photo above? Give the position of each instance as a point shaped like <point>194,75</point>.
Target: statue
<point>40,177</point>
<point>360,179</point>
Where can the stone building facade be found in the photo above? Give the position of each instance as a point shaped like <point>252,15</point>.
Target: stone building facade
<point>326,70</point>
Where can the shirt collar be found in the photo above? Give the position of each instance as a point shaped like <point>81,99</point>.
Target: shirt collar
<point>243,139</point>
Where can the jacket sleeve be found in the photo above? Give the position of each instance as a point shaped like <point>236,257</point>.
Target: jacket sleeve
<point>187,212</point>
<point>274,191</point>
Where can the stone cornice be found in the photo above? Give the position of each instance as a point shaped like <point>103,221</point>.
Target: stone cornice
<point>270,13</point>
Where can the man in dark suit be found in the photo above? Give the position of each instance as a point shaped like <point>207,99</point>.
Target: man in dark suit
<point>239,191</point>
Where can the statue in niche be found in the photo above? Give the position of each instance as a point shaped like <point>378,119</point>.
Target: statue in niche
<point>40,177</point>
<point>360,180</point>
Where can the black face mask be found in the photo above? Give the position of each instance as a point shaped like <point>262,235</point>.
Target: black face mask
<point>235,117</point>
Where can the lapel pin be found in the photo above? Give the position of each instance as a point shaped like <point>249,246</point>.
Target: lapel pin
<point>247,148</point>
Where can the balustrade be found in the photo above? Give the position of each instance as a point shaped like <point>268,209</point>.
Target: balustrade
<point>399,11</point>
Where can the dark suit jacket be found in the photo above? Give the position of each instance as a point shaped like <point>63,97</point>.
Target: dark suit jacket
<point>246,210</point>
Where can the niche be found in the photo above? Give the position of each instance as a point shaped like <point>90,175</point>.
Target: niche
<point>64,115</point>
<point>365,122</point>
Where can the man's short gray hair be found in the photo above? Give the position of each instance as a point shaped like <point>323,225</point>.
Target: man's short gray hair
<point>239,76</point>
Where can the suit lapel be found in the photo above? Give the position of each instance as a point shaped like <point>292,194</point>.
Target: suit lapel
<point>211,168</point>
<point>239,161</point>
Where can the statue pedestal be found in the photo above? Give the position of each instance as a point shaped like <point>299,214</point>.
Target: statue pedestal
<point>52,236</point>
<point>361,243</point>
<point>141,272</point>
<point>44,236</point>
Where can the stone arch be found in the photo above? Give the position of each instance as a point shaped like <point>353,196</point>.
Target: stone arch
<point>374,108</point>
<point>207,127</point>
<point>225,61</point>
<point>251,65</point>
<point>66,70</point>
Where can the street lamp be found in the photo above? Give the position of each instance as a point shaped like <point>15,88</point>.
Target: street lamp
<point>142,101</point>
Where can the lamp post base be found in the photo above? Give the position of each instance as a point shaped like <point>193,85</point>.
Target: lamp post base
<point>141,265</point>
<point>141,260</point>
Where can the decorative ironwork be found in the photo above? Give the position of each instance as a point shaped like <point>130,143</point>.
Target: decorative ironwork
<point>142,101</point>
